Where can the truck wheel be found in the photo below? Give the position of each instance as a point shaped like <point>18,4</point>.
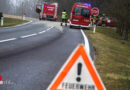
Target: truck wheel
<point>61,24</point>
<point>40,19</point>
<point>71,26</point>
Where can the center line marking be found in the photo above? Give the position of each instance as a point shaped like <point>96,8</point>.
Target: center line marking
<point>34,34</point>
<point>29,35</point>
<point>45,30</point>
<point>6,40</point>
<point>41,32</point>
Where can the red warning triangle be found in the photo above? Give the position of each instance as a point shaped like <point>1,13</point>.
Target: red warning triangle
<point>78,73</point>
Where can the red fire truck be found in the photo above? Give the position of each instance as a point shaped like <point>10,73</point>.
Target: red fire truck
<point>48,11</point>
<point>80,15</point>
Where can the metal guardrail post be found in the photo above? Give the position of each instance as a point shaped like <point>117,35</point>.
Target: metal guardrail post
<point>94,28</point>
<point>1,18</point>
<point>2,21</point>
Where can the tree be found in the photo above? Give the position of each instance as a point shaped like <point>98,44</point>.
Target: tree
<point>120,10</point>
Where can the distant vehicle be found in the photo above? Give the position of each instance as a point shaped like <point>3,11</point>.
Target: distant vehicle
<point>48,11</point>
<point>80,15</point>
<point>108,22</point>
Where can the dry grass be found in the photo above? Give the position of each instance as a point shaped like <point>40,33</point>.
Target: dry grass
<point>12,22</point>
<point>112,58</point>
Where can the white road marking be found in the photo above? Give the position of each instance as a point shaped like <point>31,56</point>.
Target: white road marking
<point>6,40</point>
<point>26,36</point>
<point>46,30</point>
<point>50,28</point>
<point>41,32</point>
<point>86,42</point>
<point>87,47</point>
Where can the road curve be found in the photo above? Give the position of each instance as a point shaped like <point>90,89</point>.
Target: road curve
<point>31,55</point>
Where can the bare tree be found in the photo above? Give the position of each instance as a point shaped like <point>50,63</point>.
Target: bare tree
<point>120,9</point>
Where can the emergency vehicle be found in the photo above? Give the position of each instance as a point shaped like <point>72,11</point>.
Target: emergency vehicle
<point>81,15</point>
<point>48,11</point>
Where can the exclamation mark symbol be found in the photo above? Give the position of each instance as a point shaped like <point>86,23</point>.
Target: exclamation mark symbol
<point>79,68</point>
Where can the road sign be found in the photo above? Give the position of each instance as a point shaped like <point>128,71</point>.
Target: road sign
<point>78,73</point>
<point>95,11</point>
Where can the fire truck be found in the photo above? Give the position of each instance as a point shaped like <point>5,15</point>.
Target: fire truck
<point>81,15</point>
<point>47,11</point>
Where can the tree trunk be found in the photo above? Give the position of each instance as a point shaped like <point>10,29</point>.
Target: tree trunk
<point>126,34</point>
<point>117,29</point>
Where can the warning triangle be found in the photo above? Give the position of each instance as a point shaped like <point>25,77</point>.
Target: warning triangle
<point>78,73</point>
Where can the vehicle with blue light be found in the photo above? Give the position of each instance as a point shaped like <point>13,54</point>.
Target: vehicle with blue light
<point>81,15</point>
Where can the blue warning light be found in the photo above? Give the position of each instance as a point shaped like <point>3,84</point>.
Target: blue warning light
<point>88,4</point>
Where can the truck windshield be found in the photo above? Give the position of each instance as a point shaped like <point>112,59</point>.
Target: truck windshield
<point>77,11</point>
<point>82,11</point>
<point>85,12</point>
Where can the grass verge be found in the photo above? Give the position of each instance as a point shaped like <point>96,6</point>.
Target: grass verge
<point>112,58</point>
<point>12,22</point>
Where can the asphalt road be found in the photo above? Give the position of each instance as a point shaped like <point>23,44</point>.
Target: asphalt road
<point>32,54</point>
